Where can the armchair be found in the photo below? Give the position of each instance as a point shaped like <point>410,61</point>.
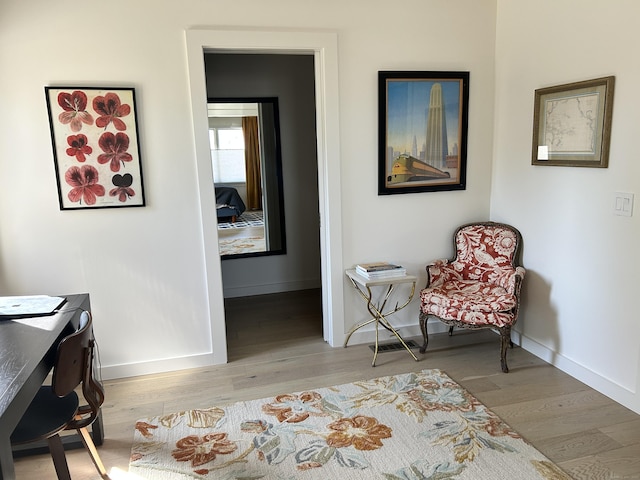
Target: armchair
<point>480,286</point>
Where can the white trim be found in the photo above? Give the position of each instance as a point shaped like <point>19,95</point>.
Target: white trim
<point>196,42</point>
<point>324,47</point>
<point>407,331</point>
<point>268,288</point>
<point>156,366</point>
<point>621,394</point>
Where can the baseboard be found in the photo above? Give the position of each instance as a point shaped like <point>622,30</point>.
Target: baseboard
<point>156,366</point>
<point>619,393</point>
<point>364,335</point>
<point>368,334</point>
<point>267,288</point>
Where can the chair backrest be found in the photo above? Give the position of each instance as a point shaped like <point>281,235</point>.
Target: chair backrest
<point>74,366</point>
<point>486,250</point>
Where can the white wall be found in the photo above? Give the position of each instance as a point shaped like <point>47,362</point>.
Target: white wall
<point>579,307</point>
<point>144,267</point>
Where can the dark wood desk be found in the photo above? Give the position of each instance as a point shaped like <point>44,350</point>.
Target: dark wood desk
<point>27,353</point>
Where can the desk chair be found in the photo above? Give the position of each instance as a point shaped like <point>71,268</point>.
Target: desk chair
<point>56,408</point>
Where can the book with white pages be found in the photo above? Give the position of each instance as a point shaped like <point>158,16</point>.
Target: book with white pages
<point>377,267</point>
<point>398,272</point>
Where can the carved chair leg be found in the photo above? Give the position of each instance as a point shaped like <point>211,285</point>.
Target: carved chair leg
<point>451,331</point>
<point>505,341</point>
<point>425,334</point>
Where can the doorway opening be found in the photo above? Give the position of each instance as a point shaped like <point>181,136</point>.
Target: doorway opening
<point>323,47</point>
<point>286,83</point>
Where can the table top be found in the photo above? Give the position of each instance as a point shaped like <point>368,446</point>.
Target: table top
<point>24,343</point>
<point>371,282</point>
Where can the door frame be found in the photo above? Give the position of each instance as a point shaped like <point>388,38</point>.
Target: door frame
<point>324,47</point>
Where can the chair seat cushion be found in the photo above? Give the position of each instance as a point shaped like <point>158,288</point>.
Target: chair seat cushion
<point>47,415</point>
<point>469,301</point>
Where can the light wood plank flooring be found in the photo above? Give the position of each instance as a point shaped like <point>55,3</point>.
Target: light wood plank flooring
<point>275,346</point>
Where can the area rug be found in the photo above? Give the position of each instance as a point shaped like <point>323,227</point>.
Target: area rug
<point>247,219</point>
<point>403,427</point>
<point>237,246</point>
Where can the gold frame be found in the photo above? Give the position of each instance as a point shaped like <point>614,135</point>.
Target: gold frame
<point>572,124</point>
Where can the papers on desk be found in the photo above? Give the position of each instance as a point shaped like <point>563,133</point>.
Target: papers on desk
<point>29,306</point>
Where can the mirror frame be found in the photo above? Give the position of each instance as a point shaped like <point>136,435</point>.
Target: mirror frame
<point>278,171</point>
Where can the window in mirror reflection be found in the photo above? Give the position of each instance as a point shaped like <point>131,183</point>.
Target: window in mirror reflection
<point>227,154</point>
<point>245,156</point>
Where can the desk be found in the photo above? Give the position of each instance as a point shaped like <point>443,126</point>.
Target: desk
<point>376,309</point>
<point>27,354</point>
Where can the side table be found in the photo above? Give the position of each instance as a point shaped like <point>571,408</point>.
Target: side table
<point>376,309</point>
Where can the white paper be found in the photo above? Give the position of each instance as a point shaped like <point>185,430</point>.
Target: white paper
<point>29,305</point>
<point>543,152</point>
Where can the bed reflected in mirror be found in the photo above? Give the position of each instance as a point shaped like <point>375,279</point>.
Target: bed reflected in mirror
<point>247,173</point>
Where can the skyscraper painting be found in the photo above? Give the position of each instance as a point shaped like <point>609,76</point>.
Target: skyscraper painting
<point>422,131</point>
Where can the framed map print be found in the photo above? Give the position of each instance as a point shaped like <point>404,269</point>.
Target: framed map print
<point>96,152</point>
<point>572,124</point>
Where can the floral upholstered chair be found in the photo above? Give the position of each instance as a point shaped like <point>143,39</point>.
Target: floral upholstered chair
<point>480,287</point>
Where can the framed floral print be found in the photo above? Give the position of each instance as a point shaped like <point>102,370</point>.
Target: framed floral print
<point>96,151</point>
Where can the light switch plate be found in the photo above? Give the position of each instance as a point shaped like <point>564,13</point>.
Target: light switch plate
<point>623,204</point>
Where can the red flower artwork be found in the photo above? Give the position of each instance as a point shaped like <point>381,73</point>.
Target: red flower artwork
<point>115,150</point>
<point>110,110</point>
<point>75,110</point>
<point>78,147</point>
<point>123,188</point>
<point>84,181</point>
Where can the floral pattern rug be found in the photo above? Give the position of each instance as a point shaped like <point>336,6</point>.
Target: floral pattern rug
<point>236,246</point>
<point>414,426</point>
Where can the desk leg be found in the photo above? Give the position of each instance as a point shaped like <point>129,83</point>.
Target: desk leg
<point>7,471</point>
<point>97,430</point>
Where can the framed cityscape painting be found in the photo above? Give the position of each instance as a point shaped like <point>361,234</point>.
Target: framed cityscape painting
<point>422,122</point>
<point>96,151</point>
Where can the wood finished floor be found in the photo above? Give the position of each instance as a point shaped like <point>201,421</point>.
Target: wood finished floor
<point>275,346</point>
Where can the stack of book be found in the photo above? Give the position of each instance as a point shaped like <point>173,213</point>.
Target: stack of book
<point>379,270</point>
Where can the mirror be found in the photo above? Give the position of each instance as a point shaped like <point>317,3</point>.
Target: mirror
<point>244,135</point>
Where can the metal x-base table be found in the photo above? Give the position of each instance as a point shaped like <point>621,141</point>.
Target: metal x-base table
<point>376,309</point>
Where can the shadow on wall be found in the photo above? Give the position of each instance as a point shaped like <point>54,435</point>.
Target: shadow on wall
<point>538,316</point>
<point>4,289</point>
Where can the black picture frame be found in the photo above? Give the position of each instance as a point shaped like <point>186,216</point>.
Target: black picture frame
<point>96,147</point>
<point>422,121</point>
<point>271,173</point>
